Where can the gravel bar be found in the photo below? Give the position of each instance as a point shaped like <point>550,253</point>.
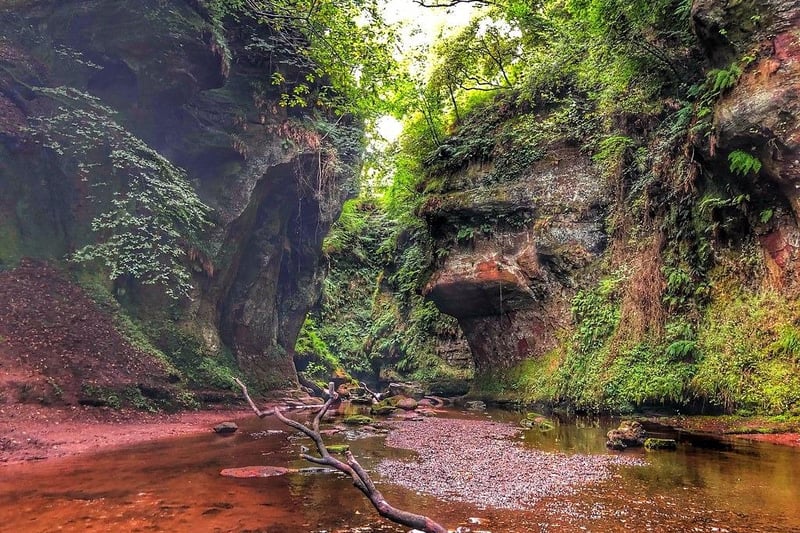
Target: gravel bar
<point>478,462</point>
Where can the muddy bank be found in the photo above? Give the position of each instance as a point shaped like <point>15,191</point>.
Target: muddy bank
<point>483,463</point>
<point>31,433</point>
<point>757,428</point>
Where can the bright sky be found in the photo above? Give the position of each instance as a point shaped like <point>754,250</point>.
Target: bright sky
<point>429,20</point>
<point>422,26</point>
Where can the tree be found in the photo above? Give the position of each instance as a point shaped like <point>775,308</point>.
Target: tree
<point>152,214</point>
<point>336,54</point>
<point>480,57</point>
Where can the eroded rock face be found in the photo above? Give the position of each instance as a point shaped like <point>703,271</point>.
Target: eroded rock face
<point>175,84</point>
<point>761,114</point>
<point>510,290</point>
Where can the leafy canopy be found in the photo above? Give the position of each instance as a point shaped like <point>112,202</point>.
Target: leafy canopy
<point>336,54</point>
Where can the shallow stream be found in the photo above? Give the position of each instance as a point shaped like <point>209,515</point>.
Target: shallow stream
<point>174,485</point>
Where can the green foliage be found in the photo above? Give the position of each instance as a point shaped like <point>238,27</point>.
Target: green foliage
<point>720,80</point>
<point>150,212</point>
<point>371,314</point>
<point>749,344</point>
<point>788,343</point>
<point>648,374</point>
<point>310,345</point>
<point>481,56</point>
<point>717,82</point>
<point>596,314</point>
<point>611,152</point>
<point>342,50</point>
<point>682,350</point>
<point>743,163</point>
<point>201,366</point>
<point>130,329</point>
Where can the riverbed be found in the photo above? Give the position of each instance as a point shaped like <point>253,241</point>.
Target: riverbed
<point>174,484</point>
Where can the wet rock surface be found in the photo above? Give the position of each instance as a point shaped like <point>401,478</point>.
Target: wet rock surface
<point>510,290</point>
<point>479,462</point>
<point>630,433</point>
<point>226,428</point>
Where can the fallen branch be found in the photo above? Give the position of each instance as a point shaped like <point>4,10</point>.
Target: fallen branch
<point>375,395</point>
<point>352,468</point>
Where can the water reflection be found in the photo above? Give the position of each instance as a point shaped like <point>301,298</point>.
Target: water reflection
<point>174,485</point>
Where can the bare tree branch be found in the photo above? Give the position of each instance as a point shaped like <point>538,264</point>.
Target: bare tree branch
<point>376,396</point>
<point>352,468</point>
<point>453,3</point>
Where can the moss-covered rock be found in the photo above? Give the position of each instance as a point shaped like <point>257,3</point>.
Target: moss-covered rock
<point>338,449</point>
<point>652,443</point>
<point>630,433</point>
<point>357,420</point>
<point>383,408</point>
<point>537,421</point>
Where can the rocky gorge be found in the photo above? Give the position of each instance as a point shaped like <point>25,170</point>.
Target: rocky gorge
<point>616,231</point>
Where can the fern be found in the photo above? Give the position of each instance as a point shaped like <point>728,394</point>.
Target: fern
<point>725,78</point>
<point>681,350</point>
<point>742,163</point>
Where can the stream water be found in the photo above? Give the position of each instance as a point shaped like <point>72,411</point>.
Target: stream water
<point>175,485</point>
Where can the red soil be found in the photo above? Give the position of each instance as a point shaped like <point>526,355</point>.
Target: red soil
<point>54,343</point>
<point>784,439</point>
<point>29,432</point>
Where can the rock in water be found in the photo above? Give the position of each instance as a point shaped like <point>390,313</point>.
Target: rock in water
<point>226,428</point>
<point>630,433</point>
<point>357,420</point>
<point>476,405</point>
<point>660,444</point>
<point>406,404</point>
<point>256,471</point>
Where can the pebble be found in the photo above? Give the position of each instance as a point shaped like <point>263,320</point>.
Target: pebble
<point>476,462</point>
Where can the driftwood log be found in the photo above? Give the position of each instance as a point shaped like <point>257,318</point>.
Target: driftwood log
<point>352,468</point>
<point>376,397</point>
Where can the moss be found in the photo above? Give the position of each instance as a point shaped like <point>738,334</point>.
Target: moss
<point>339,449</point>
<point>383,408</point>
<point>357,420</point>
<point>652,444</point>
<point>10,247</point>
<point>537,421</point>
<point>748,352</point>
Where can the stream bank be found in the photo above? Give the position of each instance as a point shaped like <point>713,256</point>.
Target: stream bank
<point>174,484</point>
<point>36,432</point>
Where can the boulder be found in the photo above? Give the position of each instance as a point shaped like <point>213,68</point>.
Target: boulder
<point>406,404</point>
<point>476,405</point>
<point>357,420</point>
<point>629,434</point>
<point>537,421</point>
<point>338,448</point>
<point>411,390</point>
<point>660,444</point>
<point>226,428</point>
<point>382,408</point>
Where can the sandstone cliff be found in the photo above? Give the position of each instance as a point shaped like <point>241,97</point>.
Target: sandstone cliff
<point>194,91</point>
<point>655,266</point>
